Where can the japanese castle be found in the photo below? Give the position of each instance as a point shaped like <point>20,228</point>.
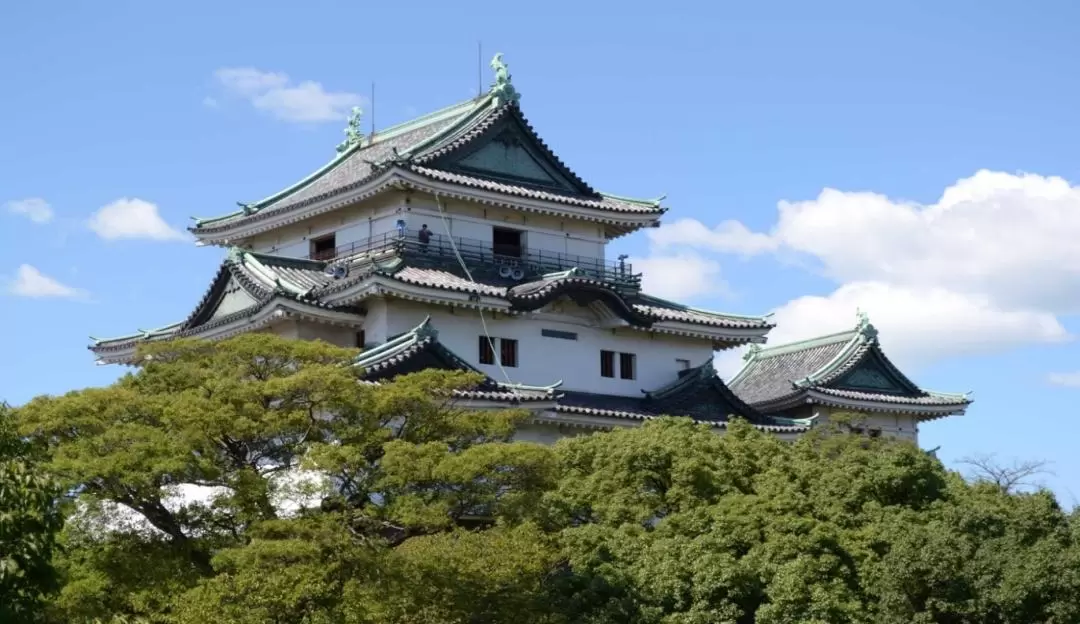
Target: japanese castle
<point>460,240</point>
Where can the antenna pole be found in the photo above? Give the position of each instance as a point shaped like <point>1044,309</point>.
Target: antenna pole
<point>479,68</point>
<point>372,108</point>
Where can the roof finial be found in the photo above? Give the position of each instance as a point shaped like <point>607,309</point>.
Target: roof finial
<point>503,91</point>
<point>354,133</point>
<point>751,352</point>
<point>865,328</point>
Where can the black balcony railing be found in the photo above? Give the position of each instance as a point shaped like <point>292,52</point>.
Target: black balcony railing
<point>532,262</point>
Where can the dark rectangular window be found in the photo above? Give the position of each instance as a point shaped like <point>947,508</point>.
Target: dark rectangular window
<point>324,247</point>
<point>487,352</point>
<point>360,339</point>
<point>508,352</point>
<point>554,333</point>
<point>607,364</point>
<point>627,366</point>
<point>507,242</point>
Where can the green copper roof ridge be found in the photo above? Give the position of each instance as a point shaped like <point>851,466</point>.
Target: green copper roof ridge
<point>378,137</point>
<point>417,122</point>
<point>466,120</point>
<point>948,395</point>
<point>805,343</point>
<point>137,334</point>
<point>833,364</point>
<point>692,374</point>
<point>686,308</point>
<point>274,277</point>
<point>634,200</point>
<point>407,338</point>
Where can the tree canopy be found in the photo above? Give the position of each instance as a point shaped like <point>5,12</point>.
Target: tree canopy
<point>259,480</point>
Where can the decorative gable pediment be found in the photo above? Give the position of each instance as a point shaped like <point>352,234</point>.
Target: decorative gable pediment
<point>871,375</point>
<point>233,299</point>
<point>510,153</point>
<point>225,297</point>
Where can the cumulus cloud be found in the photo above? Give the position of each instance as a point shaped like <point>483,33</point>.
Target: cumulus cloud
<point>679,275</point>
<point>991,264</point>
<point>1009,237</point>
<point>30,282</point>
<point>34,208</point>
<point>275,93</point>
<point>132,218</point>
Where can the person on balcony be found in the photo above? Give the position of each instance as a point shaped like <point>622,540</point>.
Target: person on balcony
<point>425,237</point>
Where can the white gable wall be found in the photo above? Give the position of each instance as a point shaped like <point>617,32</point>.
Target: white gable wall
<point>475,221</point>
<point>379,215</point>
<point>358,222</point>
<point>543,360</point>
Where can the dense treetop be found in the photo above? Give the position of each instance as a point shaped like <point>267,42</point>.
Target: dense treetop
<point>258,480</point>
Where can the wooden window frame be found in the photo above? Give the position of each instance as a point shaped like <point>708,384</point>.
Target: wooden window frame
<point>607,364</point>
<point>627,361</point>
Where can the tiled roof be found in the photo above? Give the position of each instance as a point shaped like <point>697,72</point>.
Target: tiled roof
<point>419,349</point>
<point>356,165</point>
<point>418,145</point>
<point>929,399</point>
<point>662,310</point>
<point>812,370</point>
<point>601,202</point>
<point>698,394</point>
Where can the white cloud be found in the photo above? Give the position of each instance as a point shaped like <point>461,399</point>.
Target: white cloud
<point>916,325</point>
<point>305,101</point>
<point>990,265</point>
<point>132,218</point>
<point>729,236</point>
<point>34,208</point>
<point>1009,237</point>
<point>1068,380</point>
<point>210,102</point>
<point>679,276</point>
<point>30,282</point>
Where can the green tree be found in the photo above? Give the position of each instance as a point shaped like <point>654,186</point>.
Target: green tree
<point>687,527</point>
<point>327,499</point>
<point>30,519</point>
<point>251,419</point>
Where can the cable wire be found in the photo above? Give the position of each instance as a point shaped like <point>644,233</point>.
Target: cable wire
<point>468,274</point>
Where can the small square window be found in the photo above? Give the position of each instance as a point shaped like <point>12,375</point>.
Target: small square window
<point>682,364</point>
<point>627,366</point>
<point>607,364</point>
<point>324,247</point>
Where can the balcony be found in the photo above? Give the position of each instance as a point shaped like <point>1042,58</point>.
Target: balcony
<point>481,254</point>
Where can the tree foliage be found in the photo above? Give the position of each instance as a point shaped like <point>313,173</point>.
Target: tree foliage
<point>325,499</point>
<point>29,522</point>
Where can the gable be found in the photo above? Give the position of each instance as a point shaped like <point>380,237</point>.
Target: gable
<point>232,299</point>
<point>871,375</point>
<point>509,153</point>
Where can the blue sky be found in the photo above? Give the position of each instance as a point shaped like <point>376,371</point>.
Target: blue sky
<point>117,124</point>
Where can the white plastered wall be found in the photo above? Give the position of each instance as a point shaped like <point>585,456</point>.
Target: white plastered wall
<point>543,360</point>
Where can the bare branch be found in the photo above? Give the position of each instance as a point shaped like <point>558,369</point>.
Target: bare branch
<point>1010,478</point>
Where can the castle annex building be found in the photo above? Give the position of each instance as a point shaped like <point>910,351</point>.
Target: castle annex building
<point>460,240</point>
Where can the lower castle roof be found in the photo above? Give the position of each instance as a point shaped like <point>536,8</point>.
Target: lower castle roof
<point>311,288</point>
<point>847,369</point>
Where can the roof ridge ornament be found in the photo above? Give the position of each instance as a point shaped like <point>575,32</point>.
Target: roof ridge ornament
<point>503,90</point>
<point>751,352</point>
<point>866,330</point>
<point>354,133</point>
